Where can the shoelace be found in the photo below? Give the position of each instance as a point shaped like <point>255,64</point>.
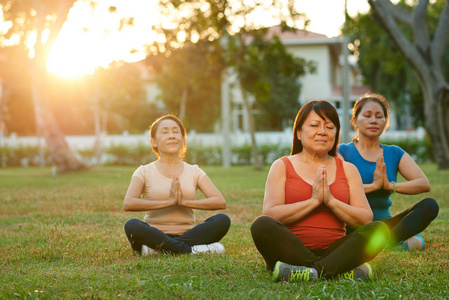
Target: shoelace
<point>299,275</point>
<point>349,274</point>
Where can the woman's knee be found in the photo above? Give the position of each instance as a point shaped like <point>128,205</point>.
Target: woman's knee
<point>132,224</point>
<point>219,221</point>
<point>430,208</point>
<point>376,231</point>
<point>382,228</point>
<point>262,224</point>
<point>223,222</point>
<point>224,219</point>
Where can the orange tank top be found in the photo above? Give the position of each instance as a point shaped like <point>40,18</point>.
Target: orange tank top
<point>322,227</point>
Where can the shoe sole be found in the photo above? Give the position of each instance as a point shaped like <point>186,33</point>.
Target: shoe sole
<point>276,272</point>
<point>370,271</point>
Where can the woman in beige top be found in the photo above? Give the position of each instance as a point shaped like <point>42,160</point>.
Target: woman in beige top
<point>166,190</point>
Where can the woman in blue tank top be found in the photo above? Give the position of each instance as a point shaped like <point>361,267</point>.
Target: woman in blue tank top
<point>379,165</point>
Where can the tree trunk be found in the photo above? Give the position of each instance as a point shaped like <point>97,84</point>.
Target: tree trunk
<point>183,103</point>
<point>63,158</point>
<point>3,159</point>
<point>97,126</point>
<point>425,57</point>
<point>437,123</point>
<point>59,150</point>
<point>252,131</point>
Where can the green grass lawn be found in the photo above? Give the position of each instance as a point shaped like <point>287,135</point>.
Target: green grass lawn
<point>63,238</point>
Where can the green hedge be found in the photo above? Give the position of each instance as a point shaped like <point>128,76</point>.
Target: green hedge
<point>420,150</point>
<point>23,156</point>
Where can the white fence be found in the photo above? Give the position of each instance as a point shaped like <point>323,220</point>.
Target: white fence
<point>206,139</point>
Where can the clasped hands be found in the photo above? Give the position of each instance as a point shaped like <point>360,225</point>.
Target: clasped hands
<point>320,187</point>
<point>176,197</point>
<point>380,178</point>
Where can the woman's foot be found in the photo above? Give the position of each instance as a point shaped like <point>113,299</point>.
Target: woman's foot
<point>214,248</point>
<point>363,271</point>
<point>147,251</point>
<point>288,273</point>
<point>415,242</point>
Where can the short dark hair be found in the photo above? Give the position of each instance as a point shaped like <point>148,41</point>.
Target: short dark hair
<point>155,125</point>
<point>323,109</point>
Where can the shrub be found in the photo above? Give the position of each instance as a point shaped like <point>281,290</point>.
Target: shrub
<point>203,155</point>
<point>129,155</point>
<point>23,156</point>
<point>419,150</point>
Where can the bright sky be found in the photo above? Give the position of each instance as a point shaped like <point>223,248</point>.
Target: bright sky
<point>327,16</point>
<point>79,51</point>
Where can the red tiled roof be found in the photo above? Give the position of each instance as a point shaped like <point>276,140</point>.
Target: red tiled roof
<point>355,90</point>
<point>297,34</point>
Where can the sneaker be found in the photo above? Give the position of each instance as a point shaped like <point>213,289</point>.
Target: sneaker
<point>363,271</point>
<point>147,251</point>
<point>415,242</point>
<point>214,248</point>
<point>290,273</point>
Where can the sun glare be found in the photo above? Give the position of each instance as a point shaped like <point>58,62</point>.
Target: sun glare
<point>90,38</point>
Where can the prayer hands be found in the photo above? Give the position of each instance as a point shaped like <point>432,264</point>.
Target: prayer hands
<point>379,173</point>
<point>176,197</point>
<point>380,178</point>
<point>321,191</point>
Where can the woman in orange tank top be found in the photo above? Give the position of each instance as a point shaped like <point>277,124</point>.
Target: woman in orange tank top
<point>310,197</point>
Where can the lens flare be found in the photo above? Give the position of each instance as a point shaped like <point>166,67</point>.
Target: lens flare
<point>378,241</point>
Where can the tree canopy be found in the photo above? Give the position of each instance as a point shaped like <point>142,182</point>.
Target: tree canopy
<point>423,43</point>
<point>207,37</point>
<point>385,69</point>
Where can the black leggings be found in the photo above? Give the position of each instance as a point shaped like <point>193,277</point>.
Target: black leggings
<point>210,231</point>
<point>277,243</point>
<point>412,221</point>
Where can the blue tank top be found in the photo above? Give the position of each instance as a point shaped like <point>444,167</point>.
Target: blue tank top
<point>379,200</point>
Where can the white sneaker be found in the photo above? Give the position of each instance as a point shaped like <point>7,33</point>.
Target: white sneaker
<point>147,251</point>
<point>214,248</point>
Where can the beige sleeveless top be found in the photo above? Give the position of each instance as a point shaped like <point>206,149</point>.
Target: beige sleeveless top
<point>175,219</point>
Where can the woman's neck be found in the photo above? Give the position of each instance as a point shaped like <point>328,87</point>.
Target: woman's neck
<point>169,160</point>
<point>308,157</point>
<point>367,143</point>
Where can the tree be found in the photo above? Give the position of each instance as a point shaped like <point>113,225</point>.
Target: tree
<point>187,79</point>
<point>220,24</point>
<point>115,93</point>
<point>13,83</point>
<point>424,51</point>
<point>268,72</point>
<point>386,70</point>
<point>44,20</point>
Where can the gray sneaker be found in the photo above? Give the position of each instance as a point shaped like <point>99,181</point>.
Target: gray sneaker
<point>363,271</point>
<point>290,273</point>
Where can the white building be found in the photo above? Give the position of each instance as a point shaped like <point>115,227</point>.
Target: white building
<point>324,84</point>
